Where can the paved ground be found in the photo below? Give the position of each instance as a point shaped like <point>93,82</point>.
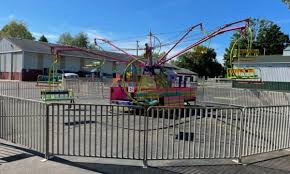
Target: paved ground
<point>94,93</point>
<point>15,160</point>
<point>18,161</point>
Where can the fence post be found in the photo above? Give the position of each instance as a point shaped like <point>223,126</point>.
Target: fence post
<point>203,91</point>
<point>18,89</point>
<point>79,87</point>
<point>102,84</point>
<point>47,132</point>
<point>145,163</point>
<point>241,138</point>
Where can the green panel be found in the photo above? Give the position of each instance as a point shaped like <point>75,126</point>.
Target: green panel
<point>273,86</point>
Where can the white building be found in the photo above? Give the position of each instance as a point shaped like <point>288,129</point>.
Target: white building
<point>22,59</point>
<point>269,68</point>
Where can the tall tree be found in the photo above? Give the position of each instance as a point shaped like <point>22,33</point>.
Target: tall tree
<point>271,40</point>
<point>81,40</point>
<point>287,2</point>
<point>264,35</point>
<point>43,39</point>
<point>65,39</point>
<point>201,60</point>
<point>16,29</point>
<point>92,46</point>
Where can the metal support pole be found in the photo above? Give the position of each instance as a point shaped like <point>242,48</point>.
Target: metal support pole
<point>145,163</point>
<point>18,89</point>
<point>47,133</point>
<point>137,50</point>
<point>241,146</point>
<point>203,91</point>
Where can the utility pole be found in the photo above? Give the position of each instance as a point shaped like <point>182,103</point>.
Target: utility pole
<point>137,42</point>
<point>150,38</point>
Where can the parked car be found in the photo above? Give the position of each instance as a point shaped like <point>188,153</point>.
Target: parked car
<point>71,76</point>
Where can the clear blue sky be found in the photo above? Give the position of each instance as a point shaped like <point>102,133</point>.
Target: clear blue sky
<point>128,18</point>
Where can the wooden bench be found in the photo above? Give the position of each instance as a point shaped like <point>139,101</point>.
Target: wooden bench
<point>57,95</point>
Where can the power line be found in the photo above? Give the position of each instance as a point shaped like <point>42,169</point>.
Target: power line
<point>190,38</point>
<point>133,38</point>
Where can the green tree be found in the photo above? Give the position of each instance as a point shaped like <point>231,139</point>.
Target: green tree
<point>92,46</point>
<point>16,29</point>
<point>81,40</point>
<point>237,41</point>
<point>287,2</point>
<point>272,40</point>
<point>264,34</point>
<point>65,39</point>
<point>201,60</point>
<point>43,39</point>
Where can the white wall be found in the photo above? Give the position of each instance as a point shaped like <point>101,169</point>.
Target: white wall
<point>72,64</point>
<point>17,62</point>
<point>2,62</point>
<point>275,74</point>
<point>47,61</point>
<point>30,61</point>
<point>107,68</point>
<point>11,62</point>
<point>286,52</point>
<point>5,62</point>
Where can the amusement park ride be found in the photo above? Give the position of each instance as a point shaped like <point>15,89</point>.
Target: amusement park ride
<point>146,80</point>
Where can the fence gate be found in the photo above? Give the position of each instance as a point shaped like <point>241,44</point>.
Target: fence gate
<point>266,129</point>
<point>193,133</point>
<point>23,122</point>
<point>96,131</point>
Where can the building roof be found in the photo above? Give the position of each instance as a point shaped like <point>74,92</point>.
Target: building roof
<point>32,46</point>
<point>45,48</point>
<point>287,48</point>
<point>179,70</point>
<point>185,71</point>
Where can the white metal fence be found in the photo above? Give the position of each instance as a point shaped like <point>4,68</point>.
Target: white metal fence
<point>241,97</point>
<point>88,88</point>
<point>155,133</point>
<point>23,121</point>
<point>207,93</point>
<point>82,89</point>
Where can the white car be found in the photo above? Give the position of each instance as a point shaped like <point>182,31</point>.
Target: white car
<point>71,76</point>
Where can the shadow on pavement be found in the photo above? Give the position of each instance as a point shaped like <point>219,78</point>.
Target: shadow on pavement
<point>279,165</point>
<point>113,168</point>
<point>10,154</point>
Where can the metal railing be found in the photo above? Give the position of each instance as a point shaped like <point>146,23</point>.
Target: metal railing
<point>96,130</point>
<point>20,89</point>
<point>193,133</point>
<point>164,133</point>
<point>82,89</point>
<point>89,91</point>
<point>241,97</point>
<point>22,121</point>
<point>155,133</point>
<point>86,88</point>
<point>265,129</point>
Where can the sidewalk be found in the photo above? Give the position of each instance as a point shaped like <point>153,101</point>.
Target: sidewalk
<point>15,161</point>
